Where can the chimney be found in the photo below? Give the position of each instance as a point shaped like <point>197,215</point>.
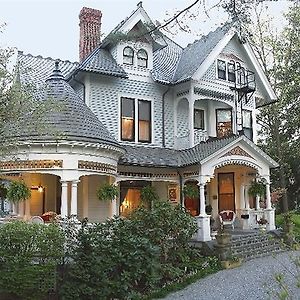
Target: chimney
<point>90,25</point>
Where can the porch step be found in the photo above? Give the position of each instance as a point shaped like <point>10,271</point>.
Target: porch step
<point>254,245</point>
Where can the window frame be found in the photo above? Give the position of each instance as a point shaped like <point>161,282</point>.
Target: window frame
<point>128,56</point>
<point>231,63</point>
<point>202,121</point>
<point>139,59</point>
<point>219,70</point>
<point>251,123</point>
<point>121,119</point>
<point>231,120</point>
<point>150,121</point>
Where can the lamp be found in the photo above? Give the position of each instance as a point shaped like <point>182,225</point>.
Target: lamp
<point>40,189</point>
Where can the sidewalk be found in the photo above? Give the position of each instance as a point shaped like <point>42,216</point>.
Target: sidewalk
<point>253,280</point>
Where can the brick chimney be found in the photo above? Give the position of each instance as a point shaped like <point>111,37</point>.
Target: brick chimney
<point>90,25</point>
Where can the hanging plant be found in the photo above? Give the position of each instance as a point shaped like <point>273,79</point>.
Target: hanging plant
<point>18,191</point>
<point>107,192</point>
<point>148,195</point>
<point>257,188</point>
<point>3,191</point>
<point>191,191</point>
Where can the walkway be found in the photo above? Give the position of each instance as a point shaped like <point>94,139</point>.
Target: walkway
<point>252,280</point>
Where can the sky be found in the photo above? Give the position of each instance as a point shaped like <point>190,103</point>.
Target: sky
<point>50,28</point>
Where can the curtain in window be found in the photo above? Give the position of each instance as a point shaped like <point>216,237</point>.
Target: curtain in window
<point>127,119</point>
<point>144,121</point>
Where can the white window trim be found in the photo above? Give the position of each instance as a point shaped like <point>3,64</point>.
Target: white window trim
<point>136,115</point>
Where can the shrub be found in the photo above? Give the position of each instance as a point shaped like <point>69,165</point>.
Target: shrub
<point>111,262</point>
<point>29,254</point>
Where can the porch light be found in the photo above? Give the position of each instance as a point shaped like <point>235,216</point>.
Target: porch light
<point>40,189</point>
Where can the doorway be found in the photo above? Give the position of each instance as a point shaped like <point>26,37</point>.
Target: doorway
<point>226,191</point>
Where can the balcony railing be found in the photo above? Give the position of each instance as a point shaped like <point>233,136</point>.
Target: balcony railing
<point>200,135</point>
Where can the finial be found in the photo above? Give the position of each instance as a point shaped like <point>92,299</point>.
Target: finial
<point>57,65</point>
<point>140,4</point>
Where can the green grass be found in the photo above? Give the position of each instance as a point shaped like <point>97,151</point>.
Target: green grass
<point>296,220</point>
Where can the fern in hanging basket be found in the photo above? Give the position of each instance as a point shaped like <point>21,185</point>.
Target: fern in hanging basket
<point>107,192</point>
<point>18,191</point>
<point>191,191</point>
<point>257,188</point>
<point>149,195</point>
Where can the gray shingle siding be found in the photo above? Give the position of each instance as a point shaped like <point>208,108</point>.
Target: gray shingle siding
<point>105,96</point>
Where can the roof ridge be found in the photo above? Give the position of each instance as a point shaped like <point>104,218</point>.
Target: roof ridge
<point>20,52</point>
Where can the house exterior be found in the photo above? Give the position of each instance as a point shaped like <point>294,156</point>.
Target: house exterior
<point>144,111</point>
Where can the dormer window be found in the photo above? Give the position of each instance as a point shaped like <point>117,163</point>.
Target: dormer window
<point>221,64</point>
<point>128,56</point>
<point>142,58</point>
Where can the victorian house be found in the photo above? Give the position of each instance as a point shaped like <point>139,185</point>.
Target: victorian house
<point>144,111</point>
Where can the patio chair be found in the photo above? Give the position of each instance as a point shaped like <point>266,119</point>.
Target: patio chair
<point>227,217</point>
<point>37,220</point>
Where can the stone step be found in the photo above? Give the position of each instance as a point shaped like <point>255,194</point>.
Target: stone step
<point>254,245</point>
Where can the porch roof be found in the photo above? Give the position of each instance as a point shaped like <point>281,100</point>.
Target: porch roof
<point>165,157</point>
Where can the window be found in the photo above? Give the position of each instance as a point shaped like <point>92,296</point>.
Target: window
<point>128,56</point>
<point>231,71</point>
<point>224,122</point>
<point>142,58</point>
<point>198,118</point>
<point>221,64</point>
<point>127,119</point>
<point>247,124</point>
<point>132,110</point>
<point>144,121</point>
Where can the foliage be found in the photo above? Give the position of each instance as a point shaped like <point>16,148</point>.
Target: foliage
<point>107,192</point>
<point>290,218</point>
<point>191,191</point>
<point>257,188</point>
<point>149,195</point>
<point>262,221</point>
<point>29,256</point>
<point>3,191</point>
<point>18,191</point>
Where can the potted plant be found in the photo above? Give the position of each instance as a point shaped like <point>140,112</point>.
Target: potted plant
<point>191,191</point>
<point>18,191</point>
<point>107,192</point>
<point>262,222</point>
<point>148,195</point>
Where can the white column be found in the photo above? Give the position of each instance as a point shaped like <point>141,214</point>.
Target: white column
<point>242,197</point>
<point>27,208</point>
<point>202,200</point>
<point>191,120</point>
<point>257,198</point>
<point>247,204</point>
<point>64,199</point>
<point>268,196</point>
<point>74,198</point>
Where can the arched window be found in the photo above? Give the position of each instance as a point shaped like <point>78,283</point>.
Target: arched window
<point>142,58</point>
<point>128,56</point>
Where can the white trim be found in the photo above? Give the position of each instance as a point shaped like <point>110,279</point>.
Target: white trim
<point>272,163</point>
<point>260,71</point>
<point>213,54</point>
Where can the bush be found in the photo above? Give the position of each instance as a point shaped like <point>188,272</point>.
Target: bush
<point>29,254</point>
<point>111,262</point>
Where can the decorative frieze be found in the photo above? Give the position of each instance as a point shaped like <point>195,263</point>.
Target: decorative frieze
<point>190,174</point>
<point>30,164</point>
<point>91,165</point>
<point>182,93</point>
<point>147,175</point>
<point>213,94</point>
<point>237,151</point>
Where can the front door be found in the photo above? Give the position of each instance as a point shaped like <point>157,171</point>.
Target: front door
<point>226,191</point>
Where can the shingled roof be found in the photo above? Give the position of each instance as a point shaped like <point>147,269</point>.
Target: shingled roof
<point>68,117</point>
<point>165,157</point>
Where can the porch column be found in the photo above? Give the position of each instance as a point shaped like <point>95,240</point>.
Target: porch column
<point>27,208</point>
<point>74,198</point>
<point>268,196</point>
<point>247,204</point>
<point>64,199</point>
<point>242,196</point>
<point>202,200</point>
<point>114,203</point>
<point>257,198</point>
<point>191,119</point>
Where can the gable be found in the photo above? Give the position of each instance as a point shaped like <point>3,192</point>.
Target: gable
<point>235,51</point>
